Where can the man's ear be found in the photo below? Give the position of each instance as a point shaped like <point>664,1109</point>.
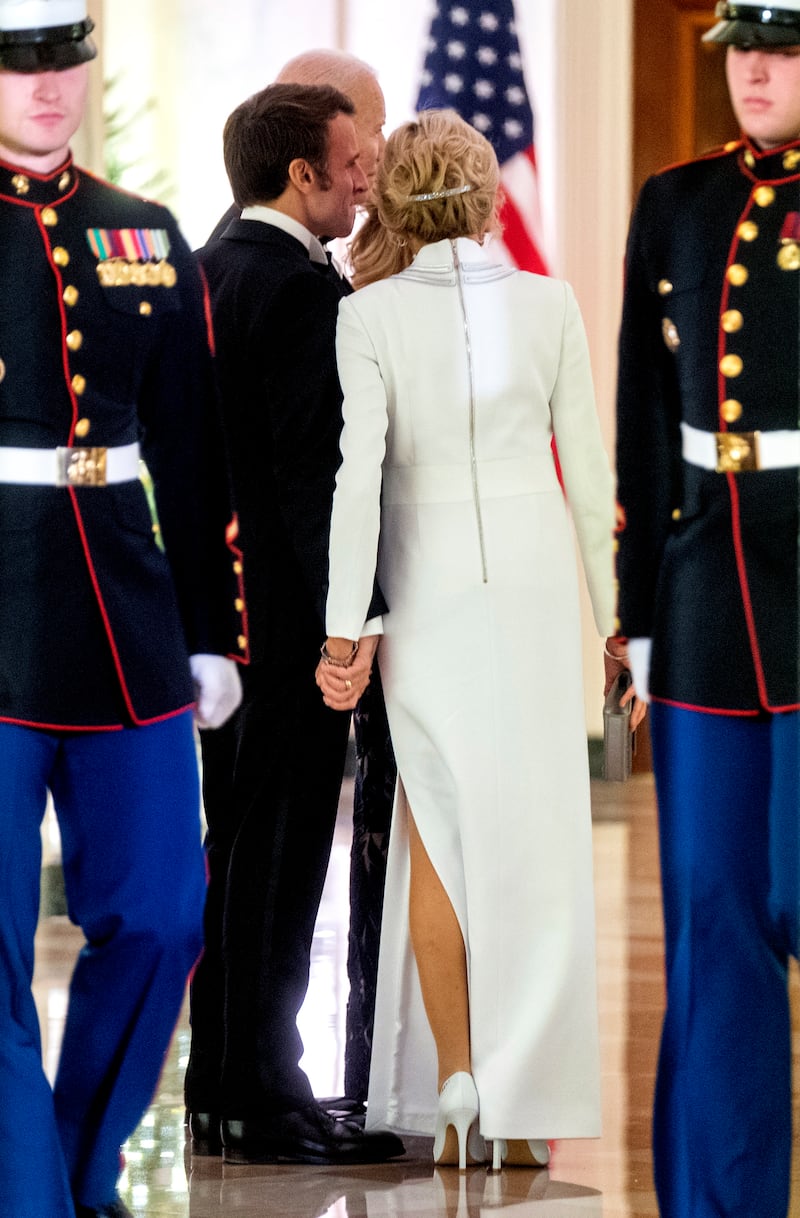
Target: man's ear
<point>301,175</point>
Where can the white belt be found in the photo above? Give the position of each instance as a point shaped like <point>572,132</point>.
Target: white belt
<point>734,452</point>
<point>69,466</point>
<point>452,483</point>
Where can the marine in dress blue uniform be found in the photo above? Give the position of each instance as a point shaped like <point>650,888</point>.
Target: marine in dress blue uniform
<point>112,623</point>
<point>708,464</point>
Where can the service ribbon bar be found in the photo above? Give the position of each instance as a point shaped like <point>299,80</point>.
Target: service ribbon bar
<point>132,244</point>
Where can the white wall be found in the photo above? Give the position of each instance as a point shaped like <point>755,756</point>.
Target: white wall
<point>197,59</point>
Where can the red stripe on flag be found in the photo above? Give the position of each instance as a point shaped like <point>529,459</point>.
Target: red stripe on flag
<point>518,241</point>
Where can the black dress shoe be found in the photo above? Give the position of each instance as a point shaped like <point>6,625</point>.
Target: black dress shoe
<point>114,1209</point>
<point>204,1129</point>
<point>304,1135</point>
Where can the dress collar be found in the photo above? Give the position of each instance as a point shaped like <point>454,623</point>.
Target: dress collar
<point>36,189</point>
<point>440,261</point>
<point>773,165</point>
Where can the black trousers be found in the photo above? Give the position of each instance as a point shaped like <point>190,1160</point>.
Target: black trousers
<point>271,784</point>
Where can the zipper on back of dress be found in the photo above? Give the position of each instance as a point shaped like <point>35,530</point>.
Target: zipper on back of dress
<point>472,457</point>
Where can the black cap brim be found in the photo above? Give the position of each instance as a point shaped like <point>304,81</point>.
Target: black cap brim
<point>754,34</point>
<point>48,49</point>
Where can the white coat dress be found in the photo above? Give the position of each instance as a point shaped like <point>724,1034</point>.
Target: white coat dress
<point>456,374</point>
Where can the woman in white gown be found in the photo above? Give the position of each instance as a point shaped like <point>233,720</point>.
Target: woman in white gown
<point>457,372</point>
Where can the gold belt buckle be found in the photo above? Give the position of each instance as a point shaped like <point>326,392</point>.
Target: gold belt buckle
<point>81,467</point>
<point>737,451</point>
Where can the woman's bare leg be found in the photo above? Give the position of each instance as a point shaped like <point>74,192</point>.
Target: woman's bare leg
<point>441,960</point>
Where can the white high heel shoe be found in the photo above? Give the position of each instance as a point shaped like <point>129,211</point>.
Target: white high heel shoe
<point>517,1152</point>
<point>456,1139</point>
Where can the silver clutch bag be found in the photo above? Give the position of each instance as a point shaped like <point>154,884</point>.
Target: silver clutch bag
<point>617,735</point>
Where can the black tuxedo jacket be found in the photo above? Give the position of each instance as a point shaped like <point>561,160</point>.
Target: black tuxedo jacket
<point>275,314</point>
<point>708,562</point>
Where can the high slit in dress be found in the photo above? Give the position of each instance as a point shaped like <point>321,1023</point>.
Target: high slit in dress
<point>456,374</point>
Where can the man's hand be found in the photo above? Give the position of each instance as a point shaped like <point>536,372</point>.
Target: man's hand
<point>343,686</point>
<point>217,689</point>
<point>615,658</point>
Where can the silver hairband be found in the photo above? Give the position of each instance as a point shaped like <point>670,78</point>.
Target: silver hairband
<point>438,194</point>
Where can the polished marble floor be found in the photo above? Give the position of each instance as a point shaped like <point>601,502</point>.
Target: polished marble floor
<point>610,1177</point>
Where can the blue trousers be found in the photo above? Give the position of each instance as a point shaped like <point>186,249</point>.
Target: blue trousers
<point>128,809</point>
<point>729,824</point>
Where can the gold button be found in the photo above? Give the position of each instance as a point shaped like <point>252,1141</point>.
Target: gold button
<point>239,603</point>
<point>749,159</point>
<point>20,183</point>
<point>737,274</point>
<point>145,308</point>
<point>664,287</point>
<point>731,410</point>
<point>64,180</point>
<point>156,527</point>
<point>731,145</point>
<point>49,217</point>
<point>791,159</point>
<point>676,513</point>
<point>237,567</point>
<point>71,295</point>
<point>60,256</point>
<point>617,625</point>
<point>764,196</point>
<point>242,640</point>
<point>74,340</point>
<point>731,365</point>
<point>78,384</point>
<point>789,256</point>
<point>2,370</point>
<point>82,428</point>
<point>748,230</point>
<point>731,321</point>
<point>615,546</point>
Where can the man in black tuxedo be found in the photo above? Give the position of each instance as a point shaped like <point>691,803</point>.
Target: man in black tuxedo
<point>292,157</point>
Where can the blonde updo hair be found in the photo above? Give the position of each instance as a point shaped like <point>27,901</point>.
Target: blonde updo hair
<point>437,151</point>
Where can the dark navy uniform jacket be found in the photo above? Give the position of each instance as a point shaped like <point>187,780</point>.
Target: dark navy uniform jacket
<point>104,341</point>
<point>708,562</point>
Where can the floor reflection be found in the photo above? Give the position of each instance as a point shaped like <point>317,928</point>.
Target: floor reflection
<point>609,1177</point>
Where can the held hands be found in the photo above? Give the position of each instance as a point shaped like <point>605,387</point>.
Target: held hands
<point>343,672</point>
<point>616,657</point>
<point>217,689</point>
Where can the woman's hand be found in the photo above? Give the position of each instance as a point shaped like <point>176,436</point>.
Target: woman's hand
<point>342,685</point>
<point>615,659</point>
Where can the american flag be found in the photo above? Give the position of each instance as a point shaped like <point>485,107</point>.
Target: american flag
<point>473,65</point>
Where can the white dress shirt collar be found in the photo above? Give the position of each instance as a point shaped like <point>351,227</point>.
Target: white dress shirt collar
<point>269,215</point>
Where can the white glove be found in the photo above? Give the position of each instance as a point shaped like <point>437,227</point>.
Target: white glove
<point>639,660</point>
<point>217,689</point>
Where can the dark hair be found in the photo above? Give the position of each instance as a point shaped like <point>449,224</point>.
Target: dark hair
<point>273,128</point>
